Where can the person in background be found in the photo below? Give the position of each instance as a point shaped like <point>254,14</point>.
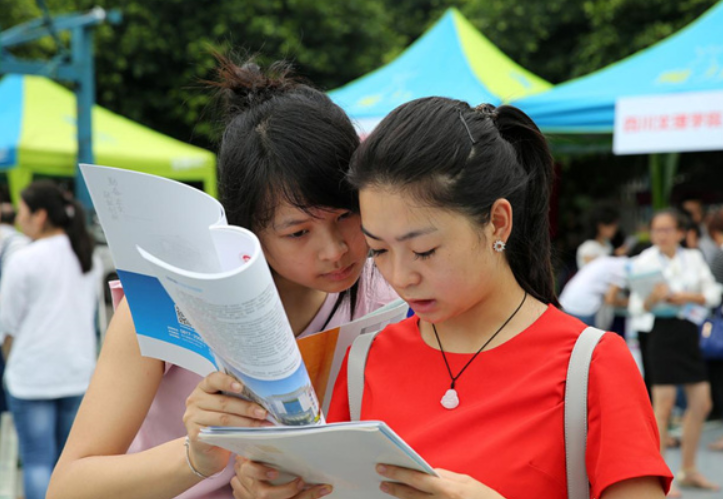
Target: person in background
<point>48,300</point>
<point>283,159</point>
<point>604,222</point>
<point>474,382</point>
<point>715,367</point>
<point>11,240</point>
<point>693,206</point>
<point>672,312</point>
<point>594,288</point>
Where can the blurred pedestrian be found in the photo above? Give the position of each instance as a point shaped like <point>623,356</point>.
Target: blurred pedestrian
<point>693,206</point>
<point>10,241</point>
<point>672,312</point>
<point>593,289</point>
<point>603,226</point>
<point>48,299</point>
<point>715,367</point>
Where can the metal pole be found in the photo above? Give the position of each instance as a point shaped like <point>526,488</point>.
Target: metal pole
<point>82,49</point>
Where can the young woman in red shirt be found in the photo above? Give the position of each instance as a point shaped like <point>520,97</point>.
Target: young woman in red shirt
<point>475,381</point>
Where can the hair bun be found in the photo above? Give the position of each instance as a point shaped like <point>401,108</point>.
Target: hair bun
<point>247,85</point>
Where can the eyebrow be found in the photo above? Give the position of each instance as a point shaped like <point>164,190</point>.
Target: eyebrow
<point>290,223</point>
<point>405,237</point>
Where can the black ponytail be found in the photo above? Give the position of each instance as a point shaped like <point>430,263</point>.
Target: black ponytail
<point>529,248</point>
<point>452,156</point>
<point>64,213</point>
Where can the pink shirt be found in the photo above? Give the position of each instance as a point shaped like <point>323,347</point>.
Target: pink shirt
<point>164,421</point>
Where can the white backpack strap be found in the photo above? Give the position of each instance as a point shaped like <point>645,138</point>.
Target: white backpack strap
<point>578,485</point>
<point>356,363</point>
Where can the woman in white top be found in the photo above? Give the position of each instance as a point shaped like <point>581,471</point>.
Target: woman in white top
<point>47,314</point>
<point>671,312</point>
<point>604,224</point>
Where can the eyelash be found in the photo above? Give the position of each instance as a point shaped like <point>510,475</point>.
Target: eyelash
<point>297,235</point>
<point>425,255</point>
<point>417,256</point>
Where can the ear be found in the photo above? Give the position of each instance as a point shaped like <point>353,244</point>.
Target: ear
<point>501,220</point>
<point>41,218</point>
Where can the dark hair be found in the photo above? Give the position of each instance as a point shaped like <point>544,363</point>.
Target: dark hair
<point>455,157</point>
<point>680,219</point>
<point>715,224</point>
<point>283,141</point>
<point>63,213</point>
<point>7,213</point>
<point>602,215</point>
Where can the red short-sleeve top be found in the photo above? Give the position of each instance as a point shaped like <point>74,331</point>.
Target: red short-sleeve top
<point>508,430</point>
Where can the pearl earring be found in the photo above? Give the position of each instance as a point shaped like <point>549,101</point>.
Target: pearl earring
<point>499,246</point>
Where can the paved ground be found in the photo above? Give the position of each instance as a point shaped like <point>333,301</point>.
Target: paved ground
<point>709,462</point>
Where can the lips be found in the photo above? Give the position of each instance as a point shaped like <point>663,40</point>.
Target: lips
<point>422,306</point>
<point>340,275</point>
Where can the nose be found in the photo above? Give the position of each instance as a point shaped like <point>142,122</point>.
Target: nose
<point>402,275</point>
<point>334,246</point>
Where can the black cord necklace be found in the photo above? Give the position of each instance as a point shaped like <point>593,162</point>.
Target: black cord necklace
<point>451,398</point>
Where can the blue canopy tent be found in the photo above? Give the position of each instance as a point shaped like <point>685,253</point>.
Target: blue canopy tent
<point>452,59</point>
<point>688,61</point>
<point>691,60</point>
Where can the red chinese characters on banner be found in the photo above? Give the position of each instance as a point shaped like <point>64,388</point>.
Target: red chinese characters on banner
<point>674,122</point>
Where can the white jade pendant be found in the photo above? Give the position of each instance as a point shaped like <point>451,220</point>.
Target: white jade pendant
<point>450,399</point>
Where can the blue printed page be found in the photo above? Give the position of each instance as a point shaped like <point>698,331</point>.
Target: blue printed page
<point>170,218</point>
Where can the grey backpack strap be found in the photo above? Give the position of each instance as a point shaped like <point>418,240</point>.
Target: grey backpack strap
<point>578,485</point>
<point>356,363</point>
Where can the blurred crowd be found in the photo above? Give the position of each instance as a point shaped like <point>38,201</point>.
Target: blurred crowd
<point>661,290</point>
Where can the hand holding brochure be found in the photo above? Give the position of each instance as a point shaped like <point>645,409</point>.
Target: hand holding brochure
<point>341,454</point>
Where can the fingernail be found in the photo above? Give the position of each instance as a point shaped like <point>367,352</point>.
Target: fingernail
<point>384,487</point>
<point>260,413</point>
<point>236,387</point>
<point>324,491</point>
<point>381,469</point>
<point>300,484</point>
<point>271,474</point>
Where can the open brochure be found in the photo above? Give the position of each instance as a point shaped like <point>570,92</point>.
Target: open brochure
<point>341,454</point>
<point>201,293</point>
<point>643,283</point>
<point>324,352</point>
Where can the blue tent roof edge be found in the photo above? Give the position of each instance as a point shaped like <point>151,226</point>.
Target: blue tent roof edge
<point>10,119</point>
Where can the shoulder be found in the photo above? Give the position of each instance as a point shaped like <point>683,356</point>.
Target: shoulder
<point>588,246</point>
<point>694,255</point>
<point>394,336</point>
<point>647,256</point>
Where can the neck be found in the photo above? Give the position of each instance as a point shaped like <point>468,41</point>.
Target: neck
<point>468,331</point>
<point>669,252</point>
<point>50,233</point>
<point>301,304</point>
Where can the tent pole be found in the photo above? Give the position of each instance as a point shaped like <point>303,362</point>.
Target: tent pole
<point>662,173</point>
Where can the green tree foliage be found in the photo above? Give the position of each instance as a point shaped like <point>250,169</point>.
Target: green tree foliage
<point>149,68</point>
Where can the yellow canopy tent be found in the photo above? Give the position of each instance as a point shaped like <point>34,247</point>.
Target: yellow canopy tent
<point>38,137</point>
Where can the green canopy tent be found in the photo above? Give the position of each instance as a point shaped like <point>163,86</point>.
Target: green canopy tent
<point>38,137</point>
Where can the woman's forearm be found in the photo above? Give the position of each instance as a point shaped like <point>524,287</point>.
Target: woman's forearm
<point>157,473</point>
